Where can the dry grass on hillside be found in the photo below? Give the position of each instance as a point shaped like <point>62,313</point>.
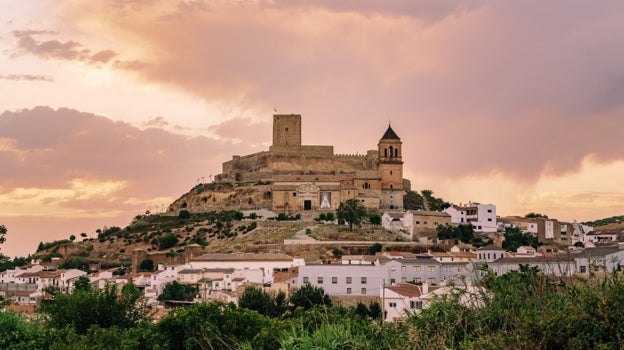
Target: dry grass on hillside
<point>367,232</point>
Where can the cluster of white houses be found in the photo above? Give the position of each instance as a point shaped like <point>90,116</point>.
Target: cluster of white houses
<point>420,225</point>
<point>404,282</point>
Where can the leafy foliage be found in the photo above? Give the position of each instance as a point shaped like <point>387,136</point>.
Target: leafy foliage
<point>268,304</point>
<point>309,296</point>
<point>178,292</point>
<point>462,233</point>
<point>515,238</point>
<point>167,241</point>
<point>374,218</point>
<point>351,211</point>
<point>104,308</point>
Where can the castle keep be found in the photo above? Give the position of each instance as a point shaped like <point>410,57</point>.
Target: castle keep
<point>311,177</point>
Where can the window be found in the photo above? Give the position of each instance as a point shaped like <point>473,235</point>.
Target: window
<point>403,268</point>
<point>430,268</point>
<point>392,281</point>
<point>403,279</point>
<point>393,268</point>
<point>447,268</point>
<point>390,172</point>
<point>490,219</point>
<point>294,194</point>
<point>424,223</point>
<point>489,210</point>
<point>363,291</point>
<point>415,304</point>
<point>583,269</point>
<point>392,304</point>
<point>416,268</point>
<point>417,222</point>
<point>319,280</point>
<point>334,280</point>
<point>417,280</point>
<point>348,290</point>
<point>348,280</point>
<point>363,280</point>
<point>431,280</point>
<point>306,280</point>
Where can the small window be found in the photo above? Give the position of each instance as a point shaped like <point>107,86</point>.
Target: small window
<point>306,280</point>
<point>403,279</point>
<point>348,290</point>
<point>416,268</point>
<point>363,280</point>
<point>348,280</point>
<point>334,280</point>
<point>403,268</point>
<point>294,194</point>
<point>392,304</point>
<point>431,280</point>
<point>490,219</point>
<point>489,210</point>
<point>392,281</point>
<point>390,172</point>
<point>417,280</point>
<point>319,280</point>
<point>363,291</point>
<point>416,304</point>
<point>430,268</point>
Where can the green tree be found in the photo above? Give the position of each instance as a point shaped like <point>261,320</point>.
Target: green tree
<point>268,304</point>
<point>72,238</point>
<point>536,216</point>
<point>376,248</point>
<point>82,283</point>
<point>351,211</point>
<point>309,296</point>
<point>184,214</point>
<point>374,218</point>
<point>514,238</point>
<point>167,241</point>
<point>329,216</point>
<point>178,292</point>
<point>104,308</point>
<point>3,231</point>
<point>413,201</point>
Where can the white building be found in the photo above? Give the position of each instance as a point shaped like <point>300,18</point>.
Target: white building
<point>482,217</point>
<point>268,263</point>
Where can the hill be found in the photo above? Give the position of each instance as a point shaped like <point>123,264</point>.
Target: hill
<point>207,217</point>
<point>611,223</point>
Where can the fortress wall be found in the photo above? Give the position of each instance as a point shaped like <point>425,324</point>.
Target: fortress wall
<point>307,150</point>
<point>322,164</point>
<point>253,162</point>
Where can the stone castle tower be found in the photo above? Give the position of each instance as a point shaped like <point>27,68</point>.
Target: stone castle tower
<point>390,167</point>
<point>287,130</point>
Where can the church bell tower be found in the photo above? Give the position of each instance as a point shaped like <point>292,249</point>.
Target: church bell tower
<point>390,167</point>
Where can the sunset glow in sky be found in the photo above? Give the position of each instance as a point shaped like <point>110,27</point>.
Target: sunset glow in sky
<point>109,108</point>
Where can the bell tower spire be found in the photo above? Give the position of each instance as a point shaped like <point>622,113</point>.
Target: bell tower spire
<point>390,167</point>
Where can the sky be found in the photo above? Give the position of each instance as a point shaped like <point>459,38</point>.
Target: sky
<point>109,108</point>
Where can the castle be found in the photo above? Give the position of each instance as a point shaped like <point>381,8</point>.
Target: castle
<point>311,177</point>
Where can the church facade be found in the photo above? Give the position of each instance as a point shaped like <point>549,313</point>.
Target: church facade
<point>312,177</point>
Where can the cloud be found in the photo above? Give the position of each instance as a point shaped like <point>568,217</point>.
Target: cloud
<point>29,43</point>
<point>64,161</point>
<point>27,77</point>
<point>471,87</point>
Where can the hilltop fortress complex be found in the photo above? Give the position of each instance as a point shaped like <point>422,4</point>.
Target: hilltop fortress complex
<point>311,177</point>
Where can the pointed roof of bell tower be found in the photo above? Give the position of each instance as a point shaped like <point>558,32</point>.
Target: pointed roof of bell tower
<point>390,134</point>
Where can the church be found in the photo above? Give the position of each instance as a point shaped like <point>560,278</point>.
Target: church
<point>312,177</point>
